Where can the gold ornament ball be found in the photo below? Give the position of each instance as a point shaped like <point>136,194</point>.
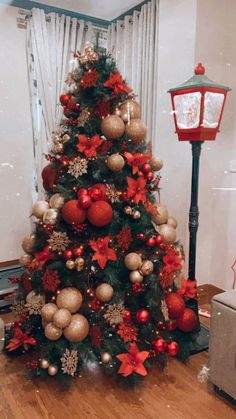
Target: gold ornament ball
<point>115,162</point>
<point>52,332</point>
<point>70,298</point>
<point>79,264</point>
<point>39,209</point>
<point>62,318</point>
<point>136,130</point>
<point>70,264</point>
<point>52,369</point>
<point>104,292</point>
<point>168,233</point>
<point>56,139</point>
<point>28,243</point>
<point>25,259</point>
<point>50,217</point>
<point>136,215</point>
<point>78,328</point>
<point>156,164</point>
<point>162,216</point>
<point>117,112</point>
<point>128,210</point>
<point>44,364</point>
<point>130,109</point>
<point>113,127</point>
<point>106,358</point>
<point>135,277</point>
<point>146,268</point>
<point>56,201</point>
<point>58,148</point>
<point>172,222</point>
<point>48,312</point>
<point>65,138</point>
<point>44,323</point>
<point>133,261</point>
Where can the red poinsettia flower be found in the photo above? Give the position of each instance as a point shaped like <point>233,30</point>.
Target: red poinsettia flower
<point>116,83</point>
<point>124,238</point>
<point>127,332</point>
<point>50,280</point>
<point>102,108</point>
<point>103,252</point>
<point>89,78</point>
<point>136,189</point>
<point>151,208</point>
<point>166,277</point>
<point>136,160</point>
<point>172,261</point>
<point>89,146</point>
<point>20,338</point>
<point>133,361</point>
<point>188,289</point>
<point>43,256</point>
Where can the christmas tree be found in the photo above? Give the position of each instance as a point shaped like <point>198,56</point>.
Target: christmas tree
<point>103,276</point>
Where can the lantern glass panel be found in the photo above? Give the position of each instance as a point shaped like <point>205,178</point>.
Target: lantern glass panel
<point>187,110</point>
<point>213,103</point>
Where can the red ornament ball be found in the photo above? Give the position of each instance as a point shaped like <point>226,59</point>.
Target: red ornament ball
<point>150,176</point>
<point>49,176</point>
<point>82,192</point>
<point>64,99</point>
<point>146,168</point>
<point>100,213</point>
<point>127,316</point>
<point>78,251</point>
<point>140,236</point>
<point>151,242</point>
<point>175,305</point>
<point>159,345</point>
<point>171,325</point>
<point>85,201</point>
<point>98,192</point>
<point>143,316</point>
<point>187,322</point>
<point>72,213</point>
<point>159,239</point>
<point>68,254</point>
<point>172,348</point>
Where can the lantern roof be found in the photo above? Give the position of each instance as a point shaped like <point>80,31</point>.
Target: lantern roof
<point>198,80</point>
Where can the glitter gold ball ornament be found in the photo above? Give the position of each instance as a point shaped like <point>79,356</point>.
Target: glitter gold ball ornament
<point>156,164</point>
<point>25,259</point>
<point>65,138</point>
<point>70,264</point>
<point>106,357</point>
<point>146,268</point>
<point>172,222</point>
<point>52,370</point>
<point>115,162</point>
<point>56,201</point>
<point>136,130</point>
<point>136,215</point>
<point>28,243</point>
<point>58,148</point>
<point>130,109</point>
<point>113,127</point>
<point>52,332</point>
<point>104,293</point>
<point>162,216</point>
<point>39,209</point>
<point>70,298</point>
<point>48,312</point>
<point>44,363</point>
<point>50,217</point>
<point>62,318</point>
<point>78,328</point>
<point>168,233</point>
<point>133,261</point>
<point>135,277</point>
<point>79,264</point>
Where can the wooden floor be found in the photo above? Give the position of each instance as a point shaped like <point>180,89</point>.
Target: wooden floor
<point>175,394</point>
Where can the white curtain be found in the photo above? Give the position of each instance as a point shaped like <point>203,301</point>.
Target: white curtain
<point>133,42</point>
<point>51,42</point>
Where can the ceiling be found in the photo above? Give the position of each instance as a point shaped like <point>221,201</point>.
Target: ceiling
<point>102,9</point>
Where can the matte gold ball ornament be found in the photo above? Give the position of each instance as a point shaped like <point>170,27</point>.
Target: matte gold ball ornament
<point>24,260</point>
<point>135,277</point>
<point>172,222</point>
<point>70,298</point>
<point>113,127</point>
<point>168,233</point>
<point>130,109</point>
<point>57,201</point>
<point>104,292</point>
<point>133,261</point>
<point>52,332</point>
<point>78,328</point>
<point>70,264</point>
<point>39,209</point>
<point>48,312</point>
<point>79,264</point>
<point>115,162</point>
<point>52,369</point>
<point>162,216</point>
<point>62,318</point>
<point>106,357</point>
<point>28,243</point>
<point>156,164</point>
<point>136,130</point>
<point>136,215</point>
<point>44,364</point>
<point>146,268</point>
<point>50,216</point>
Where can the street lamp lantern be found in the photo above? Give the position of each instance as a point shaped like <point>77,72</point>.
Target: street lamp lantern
<point>198,106</point>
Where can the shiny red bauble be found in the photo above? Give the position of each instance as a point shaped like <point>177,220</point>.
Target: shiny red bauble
<point>72,213</point>
<point>188,321</point>
<point>143,316</point>
<point>127,316</point>
<point>100,213</point>
<point>171,326</point>
<point>78,251</point>
<point>85,201</point>
<point>49,175</point>
<point>146,168</point>
<point>159,345</point>
<point>140,236</point>
<point>98,192</point>
<point>82,192</point>
<point>68,254</point>
<point>175,305</point>
<point>64,99</point>
<point>151,242</point>
<point>172,348</point>
<point>150,176</point>
<point>158,239</point>
<point>64,161</point>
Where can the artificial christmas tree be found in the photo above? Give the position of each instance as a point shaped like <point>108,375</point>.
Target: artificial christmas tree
<point>103,281</point>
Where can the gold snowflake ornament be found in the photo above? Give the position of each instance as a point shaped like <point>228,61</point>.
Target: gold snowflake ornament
<point>58,241</point>
<point>112,193</point>
<point>78,167</point>
<point>115,313</point>
<point>34,303</point>
<point>69,362</point>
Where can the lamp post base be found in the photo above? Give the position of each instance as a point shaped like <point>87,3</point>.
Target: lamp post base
<point>201,341</point>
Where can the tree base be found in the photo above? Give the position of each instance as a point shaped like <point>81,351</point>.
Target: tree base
<point>201,342</point>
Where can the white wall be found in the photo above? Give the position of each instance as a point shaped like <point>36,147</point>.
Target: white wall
<point>16,157</point>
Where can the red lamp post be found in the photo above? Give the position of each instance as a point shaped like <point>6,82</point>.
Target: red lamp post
<point>198,106</point>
